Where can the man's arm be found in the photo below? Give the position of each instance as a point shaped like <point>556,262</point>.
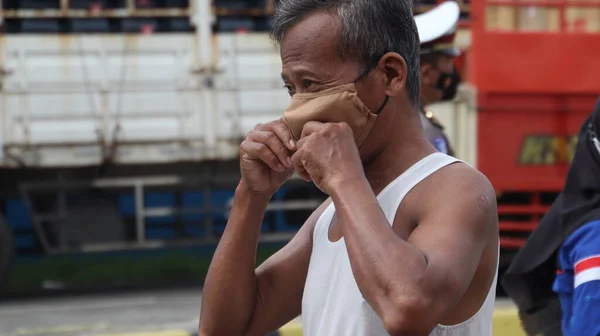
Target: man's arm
<point>238,300</point>
<point>412,283</point>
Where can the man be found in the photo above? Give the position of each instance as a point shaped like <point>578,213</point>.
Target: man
<point>568,240</point>
<point>439,78</point>
<point>407,243</point>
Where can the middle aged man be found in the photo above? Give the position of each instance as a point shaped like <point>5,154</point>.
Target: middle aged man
<point>407,243</point>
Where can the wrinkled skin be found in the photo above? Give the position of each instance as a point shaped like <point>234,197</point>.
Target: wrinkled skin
<point>265,157</point>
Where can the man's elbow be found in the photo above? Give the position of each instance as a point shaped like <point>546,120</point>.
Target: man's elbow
<point>205,330</point>
<point>410,317</point>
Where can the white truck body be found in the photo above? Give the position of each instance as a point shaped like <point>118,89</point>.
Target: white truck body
<point>82,100</point>
<point>78,100</point>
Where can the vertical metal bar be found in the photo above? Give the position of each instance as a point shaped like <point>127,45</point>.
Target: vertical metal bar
<point>235,63</point>
<point>26,118</point>
<point>64,7</point>
<point>131,6</point>
<point>23,67</point>
<point>140,213</point>
<point>104,130</point>
<point>203,19</point>
<point>5,128</point>
<point>62,212</point>
<point>179,81</point>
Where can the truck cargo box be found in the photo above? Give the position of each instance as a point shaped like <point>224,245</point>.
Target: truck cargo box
<point>79,100</point>
<point>532,63</point>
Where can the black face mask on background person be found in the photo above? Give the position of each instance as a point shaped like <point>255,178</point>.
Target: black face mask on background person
<point>529,279</point>
<point>448,84</point>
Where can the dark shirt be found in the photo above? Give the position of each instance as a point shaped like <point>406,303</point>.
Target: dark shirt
<point>434,131</point>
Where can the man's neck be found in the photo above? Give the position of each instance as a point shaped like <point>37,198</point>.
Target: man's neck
<point>402,152</point>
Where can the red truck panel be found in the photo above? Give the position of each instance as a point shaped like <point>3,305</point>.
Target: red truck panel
<point>525,142</point>
<point>532,62</point>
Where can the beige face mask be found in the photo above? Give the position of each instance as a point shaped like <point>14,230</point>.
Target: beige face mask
<point>337,104</point>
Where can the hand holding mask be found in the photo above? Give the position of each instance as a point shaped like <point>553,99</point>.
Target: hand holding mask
<point>327,154</point>
<point>265,158</point>
<point>337,104</point>
<point>330,126</point>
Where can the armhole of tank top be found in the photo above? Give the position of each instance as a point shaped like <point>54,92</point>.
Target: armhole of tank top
<point>423,171</point>
<point>322,223</point>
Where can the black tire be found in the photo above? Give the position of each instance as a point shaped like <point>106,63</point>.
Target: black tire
<point>7,251</point>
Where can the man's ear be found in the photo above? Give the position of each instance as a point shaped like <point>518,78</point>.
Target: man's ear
<point>395,70</point>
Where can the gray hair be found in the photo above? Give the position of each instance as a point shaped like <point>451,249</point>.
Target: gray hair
<point>369,29</point>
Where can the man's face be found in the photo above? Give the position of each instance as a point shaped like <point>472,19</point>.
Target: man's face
<point>311,63</point>
<point>432,90</point>
<point>311,60</point>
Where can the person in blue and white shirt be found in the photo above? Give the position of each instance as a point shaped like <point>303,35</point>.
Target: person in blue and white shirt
<point>555,278</point>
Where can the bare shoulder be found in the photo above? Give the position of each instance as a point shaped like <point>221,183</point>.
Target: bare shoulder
<point>462,191</point>
<point>463,179</point>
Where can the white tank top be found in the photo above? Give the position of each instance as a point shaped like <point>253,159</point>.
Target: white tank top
<point>332,303</point>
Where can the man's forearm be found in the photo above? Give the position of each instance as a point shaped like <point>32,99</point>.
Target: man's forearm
<point>387,269</point>
<point>229,295</point>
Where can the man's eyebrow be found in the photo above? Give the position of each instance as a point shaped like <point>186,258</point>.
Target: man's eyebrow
<point>283,77</point>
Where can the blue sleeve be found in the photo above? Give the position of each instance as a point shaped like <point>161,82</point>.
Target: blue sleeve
<point>578,285</point>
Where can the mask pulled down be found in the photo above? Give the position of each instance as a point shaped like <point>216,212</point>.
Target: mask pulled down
<point>337,104</point>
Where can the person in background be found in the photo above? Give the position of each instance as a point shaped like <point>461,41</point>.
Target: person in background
<point>439,78</point>
<point>406,244</point>
<point>555,278</point>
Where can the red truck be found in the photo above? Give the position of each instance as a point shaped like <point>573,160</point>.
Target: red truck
<point>532,65</point>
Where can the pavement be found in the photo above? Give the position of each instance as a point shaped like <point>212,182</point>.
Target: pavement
<point>164,313</point>
<point>157,313</point>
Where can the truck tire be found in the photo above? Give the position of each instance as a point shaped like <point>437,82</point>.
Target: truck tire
<point>7,251</point>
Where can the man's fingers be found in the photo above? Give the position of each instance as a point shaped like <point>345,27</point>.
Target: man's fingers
<point>283,133</point>
<point>259,151</point>
<point>311,127</point>
<point>298,166</point>
<point>301,142</point>
<point>275,145</point>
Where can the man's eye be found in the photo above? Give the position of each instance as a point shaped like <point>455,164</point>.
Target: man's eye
<point>307,83</point>
<point>289,89</point>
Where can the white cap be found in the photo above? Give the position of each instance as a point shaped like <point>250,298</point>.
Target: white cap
<point>437,28</point>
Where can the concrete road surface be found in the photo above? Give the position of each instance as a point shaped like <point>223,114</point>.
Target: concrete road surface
<point>111,314</point>
<point>102,314</point>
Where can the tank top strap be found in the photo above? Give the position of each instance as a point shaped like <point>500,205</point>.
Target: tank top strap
<point>392,195</point>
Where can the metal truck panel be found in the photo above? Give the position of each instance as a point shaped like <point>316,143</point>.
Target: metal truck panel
<point>81,100</point>
<point>532,64</point>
